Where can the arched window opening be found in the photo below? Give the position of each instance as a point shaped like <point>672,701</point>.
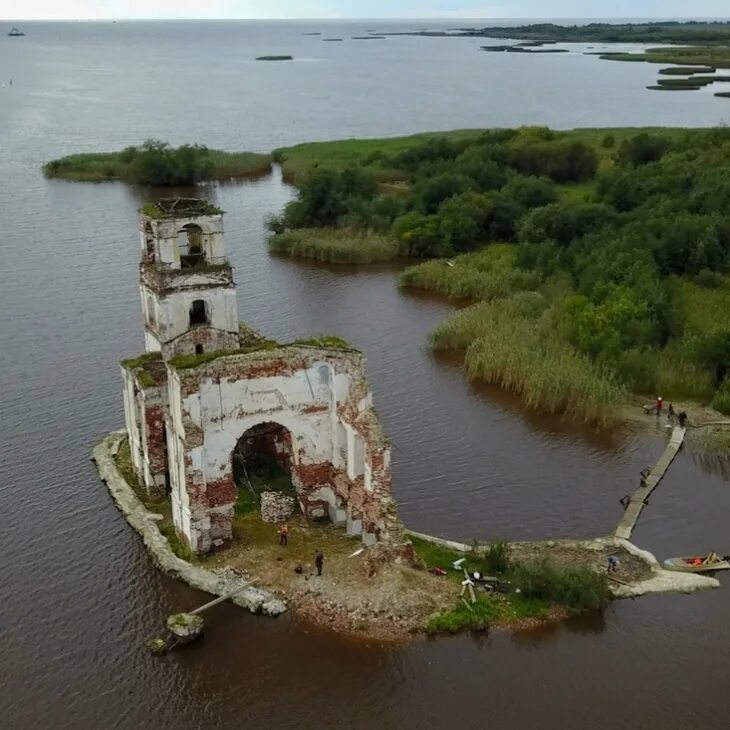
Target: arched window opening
<point>325,377</point>
<point>198,349</point>
<point>151,311</point>
<point>149,242</point>
<point>198,313</point>
<point>190,245</point>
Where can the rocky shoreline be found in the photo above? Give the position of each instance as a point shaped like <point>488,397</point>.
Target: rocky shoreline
<point>387,607</point>
<point>217,582</point>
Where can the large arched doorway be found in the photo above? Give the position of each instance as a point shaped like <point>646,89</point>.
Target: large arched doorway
<point>261,461</point>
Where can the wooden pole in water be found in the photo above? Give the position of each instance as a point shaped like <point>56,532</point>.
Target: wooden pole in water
<point>186,626</point>
<point>220,599</point>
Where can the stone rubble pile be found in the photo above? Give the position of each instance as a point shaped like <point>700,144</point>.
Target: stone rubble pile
<point>276,507</point>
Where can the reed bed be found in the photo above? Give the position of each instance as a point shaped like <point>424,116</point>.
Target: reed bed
<point>483,276</point>
<point>335,246</point>
<point>521,354</point>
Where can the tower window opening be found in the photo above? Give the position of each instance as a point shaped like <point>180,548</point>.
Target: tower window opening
<point>198,313</point>
<point>190,245</point>
<point>149,241</point>
<point>198,349</point>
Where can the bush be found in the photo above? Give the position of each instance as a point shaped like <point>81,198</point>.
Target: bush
<point>561,160</point>
<point>497,557</point>
<point>721,401</point>
<point>575,587</point>
<point>642,149</point>
<point>475,617</point>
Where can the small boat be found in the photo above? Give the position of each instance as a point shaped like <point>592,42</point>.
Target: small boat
<point>697,563</point>
<point>15,33</point>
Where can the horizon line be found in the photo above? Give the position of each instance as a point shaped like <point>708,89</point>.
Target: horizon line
<point>625,20</point>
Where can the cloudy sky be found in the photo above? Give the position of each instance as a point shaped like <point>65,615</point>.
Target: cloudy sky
<point>69,9</point>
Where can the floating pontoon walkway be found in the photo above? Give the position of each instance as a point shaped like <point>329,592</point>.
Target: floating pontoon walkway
<point>648,485</point>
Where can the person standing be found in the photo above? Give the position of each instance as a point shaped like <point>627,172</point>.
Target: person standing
<point>284,535</point>
<point>670,413</point>
<point>682,417</point>
<point>659,406</point>
<point>319,561</point>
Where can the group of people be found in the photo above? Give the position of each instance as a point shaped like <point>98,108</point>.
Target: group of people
<point>284,541</point>
<point>680,417</point>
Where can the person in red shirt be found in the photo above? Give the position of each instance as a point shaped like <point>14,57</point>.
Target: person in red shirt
<point>659,405</point>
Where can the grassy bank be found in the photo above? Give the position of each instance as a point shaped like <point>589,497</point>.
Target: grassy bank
<point>156,163</point>
<point>335,246</point>
<point>533,590</point>
<point>582,249</point>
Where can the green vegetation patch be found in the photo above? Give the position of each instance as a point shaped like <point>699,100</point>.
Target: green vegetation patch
<point>336,246</point>
<point>580,248</point>
<point>702,56</point>
<point>138,362</point>
<point>694,81</point>
<point>488,274</point>
<point>652,32</point>
<point>326,342</point>
<point>177,545</point>
<point>686,70</point>
<point>200,207</point>
<point>187,362</point>
<point>675,87</point>
<point>157,163</point>
<point>530,588</point>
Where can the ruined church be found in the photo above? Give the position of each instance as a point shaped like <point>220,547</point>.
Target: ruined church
<point>209,392</point>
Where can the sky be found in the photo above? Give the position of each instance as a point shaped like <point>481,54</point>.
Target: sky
<point>256,9</point>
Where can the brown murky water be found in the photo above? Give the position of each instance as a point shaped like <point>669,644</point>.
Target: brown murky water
<point>79,596</point>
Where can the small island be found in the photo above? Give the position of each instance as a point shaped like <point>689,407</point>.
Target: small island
<point>157,163</point>
<point>15,33</point>
<point>275,58</point>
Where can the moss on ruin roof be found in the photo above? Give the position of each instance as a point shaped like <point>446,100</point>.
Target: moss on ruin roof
<point>186,362</point>
<point>138,362</point>
<point>179,208</point>
<point>327,342</point>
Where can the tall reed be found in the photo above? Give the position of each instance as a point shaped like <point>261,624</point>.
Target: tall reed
<point>334,245</point>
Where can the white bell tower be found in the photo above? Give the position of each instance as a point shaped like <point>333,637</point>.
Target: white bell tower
<point>186,283</point>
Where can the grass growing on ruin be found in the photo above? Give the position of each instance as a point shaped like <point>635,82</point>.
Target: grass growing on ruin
<point>187,362</point>
<point>335,245</point>
<point>178,546</point>
<point>123,462</point>
<point>326,342</point>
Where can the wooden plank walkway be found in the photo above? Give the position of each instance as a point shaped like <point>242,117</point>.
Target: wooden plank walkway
<point>640,496</point>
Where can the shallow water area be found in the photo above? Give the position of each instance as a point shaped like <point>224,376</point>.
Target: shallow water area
<point>80,595</point>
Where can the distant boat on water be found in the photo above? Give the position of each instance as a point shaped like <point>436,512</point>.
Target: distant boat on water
<point>15,33</point>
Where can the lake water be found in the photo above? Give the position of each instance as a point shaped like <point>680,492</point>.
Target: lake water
<point>79,595</point>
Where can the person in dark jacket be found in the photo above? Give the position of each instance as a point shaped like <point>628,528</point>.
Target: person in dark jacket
<point>319,561</point>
